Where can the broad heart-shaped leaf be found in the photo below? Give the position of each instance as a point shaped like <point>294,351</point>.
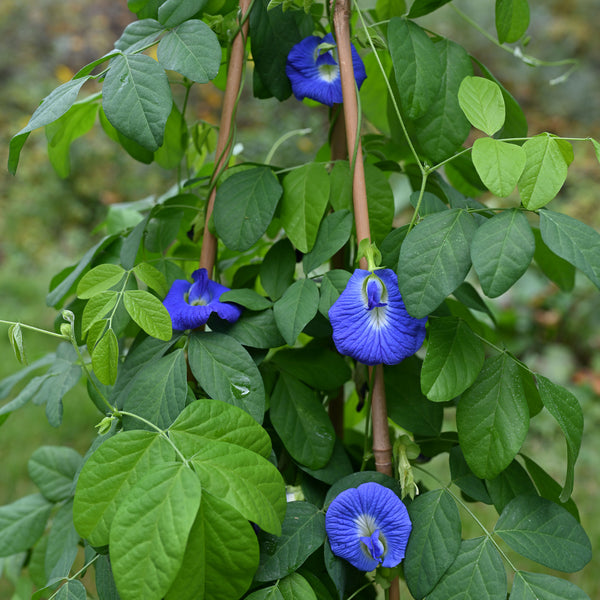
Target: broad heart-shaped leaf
<point>483,104</point>
<point>248,482</point>
<point>205,420</point>
<point>53,106</point>
<point>416,64</point>
<point>333,233</point>
<point>174,12</point>
<point>99,279</point>
<point>557,269</point>
<point>420,8</point>
<point>245,205</point>
<point>444,127</point>
<point>277,268</point>
<point>220,557</point>
<point>540,586</point>
<point>454,358</point>
<point>545,171</point>
<point>150,529</point>
<point>108,475</point>
<point>501,251</point>
<point>545,532</point>
<point>434,260</point>
<point>302,532</point>
<point>191,49</point>
<point>493,417</point>
<point>296,308</point>
<point>564,407</point>
<point>434,541</point>
<point>159,393</point>
<point>22,523</point>
<point>227,372</point>
<point>512,20</point>
<point>149,313</point>
<point>477,573</point>
<point>138,34</point>
<point>137,100</point>
<point>499,164</point>
<point>512,482</point>
<point>305,197</point>
<point>52,469</point>
<point>301,422</point>
<point>574,241</point>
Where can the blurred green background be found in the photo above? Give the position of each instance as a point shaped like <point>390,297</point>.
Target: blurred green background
<point>45,221</point>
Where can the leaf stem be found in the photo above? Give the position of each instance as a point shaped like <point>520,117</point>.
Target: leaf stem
<point>282,139</point>
<point>32,328</point>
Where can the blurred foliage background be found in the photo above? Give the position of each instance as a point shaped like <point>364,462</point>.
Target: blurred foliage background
<point>45,221</point>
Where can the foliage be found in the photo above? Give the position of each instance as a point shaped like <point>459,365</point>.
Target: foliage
<point>205,434</point>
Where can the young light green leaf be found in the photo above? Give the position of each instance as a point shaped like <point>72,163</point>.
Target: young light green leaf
<point>277,268</point>
<point>493,417</point>
<point>416,64</point>
<point>574,241</point>
<point>564,407</point>
<point>333,233</point>
<point>150,529</point>
<point>544,173</point>
<point>540,586</point>
<point>512,20</point>
<point>137,100</point>
<point>499,164</point>
<point>99,279</point>
<point>52,469</point>
<point>226,372</point>
<point>483,104</point>
<point>22,523</point>
<point>434,541</point>
<point>152,277</point>
<point>501,251</point>
<point>545,532</point>
<point>174,12</point>
<point>105,358</point>
<point>302,532</point>
<point>295,309</point>
<point>191,49</point>
<point>244,206</point>
<point>454,359</point>
<point>15,335</point>
<point>512,482</point>
<point>434,260</point>
<point>149,313</point>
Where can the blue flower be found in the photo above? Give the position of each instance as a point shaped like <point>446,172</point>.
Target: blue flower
<point>370,322</point>
<point>191,304</point>
<point>368,526</point>
<point>314,71</point>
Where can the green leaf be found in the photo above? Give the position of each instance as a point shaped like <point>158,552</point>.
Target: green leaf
<point>295,587</point>
<point>108,475</point>
<point>305,197</point>
<point>499,164</point>
<point>138,34</point>
<point>150,529</point>
<point>52,469</point>
<point>277,268</point>
<point>63,544</point>
<point>545,171</point>
<point>340,191</point>
<point>302,532</point>
<point>483,104</point>
<point>421,8</point>
<point>253,329</point>
<point>137,100</point>
<point>502,250</point>
<point>132,148</point>
<point>72,590</point>
<point>158,393</point>
<point>15,336</point>
<point>78,120</point>
<point>545,532</point>
<point>444,127</point>
<point>105,358</point>
<point>381,203</point>
<point>247,298</point>
<point>169,155</point>
<point>96,308</point>
<point>191,49</point>
<point>339,466</point>
<point>149,313</point>
<point>434,260</point>
<point>564,407</point>
<point>553,266</point>
<point>245,480</point>
<point>99,279</point>
<point>301,422</point>
<point>174,12</point>
<point>332,285</point>
<point>296,308</point>
<point>512,20</point>
<point>22,523</point>
<point>512,482</point>
<point>105,582</point>
<point>434,541</point>
<point>477,573</point>
<point>493,417</point>
<point>53,106</point>
<point>416,64</point>
<point>244,206</point>
<point>454,359</point>
<point>152,277</point>
<point>333,233</point>
<point>574,241</point>
<point>465,479</point>
<point>226,371</point>
<point>540,586</point>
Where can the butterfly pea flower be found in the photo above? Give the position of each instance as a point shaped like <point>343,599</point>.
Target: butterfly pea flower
<point>191,304</point>
<point>314,72</point>
<point>368,526</point>
<point>370,322</point>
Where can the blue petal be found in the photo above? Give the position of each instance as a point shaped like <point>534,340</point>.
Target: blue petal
<point>359,513</point>
<point>383,334</point>
<point>199,289</point>
<point>183,315</point>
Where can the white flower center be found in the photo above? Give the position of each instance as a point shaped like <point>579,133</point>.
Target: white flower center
<point>329,73</point>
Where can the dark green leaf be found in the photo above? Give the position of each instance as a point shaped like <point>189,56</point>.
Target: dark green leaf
<point>253,329</point>
<point>381,203</point>
<point>540,586</point>
<point>420,8</point>
<point>277,268</point>
<point>340,192</point>
<point>169,155</point>
<point>333,233</point>
<point>332,285</point>
<point>553,266</point>
<point>132,148</point>
<point>512,20</point>
<point>339,466</point>
<point>138,34</point>
<point>512,482</point>
<point>174,12</point>
<point>465,479</point>
<point>63,543</point>
<point>52,469</point>
<point>247,298</point>
<point>22,523</point>
<point>105,582</point>
<point>294,310</point>
<point>430,204</point>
